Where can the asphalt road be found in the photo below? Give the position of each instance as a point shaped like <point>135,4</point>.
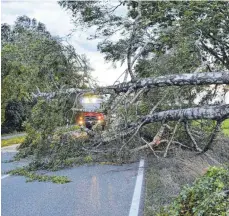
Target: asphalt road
<point>102,190</point>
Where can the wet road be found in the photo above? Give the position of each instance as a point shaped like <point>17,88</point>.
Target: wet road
<point>95,190</point>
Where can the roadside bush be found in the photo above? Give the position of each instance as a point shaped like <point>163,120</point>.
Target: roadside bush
<point>14,117</point>
<point>45,117</point>
<point>208,196</point>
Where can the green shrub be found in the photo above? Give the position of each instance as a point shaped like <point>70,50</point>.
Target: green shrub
<point>14,117</point>
<point>88,159</point>
<point>206,197</point>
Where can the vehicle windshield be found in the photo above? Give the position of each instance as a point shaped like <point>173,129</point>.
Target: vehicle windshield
<point>91,106</point>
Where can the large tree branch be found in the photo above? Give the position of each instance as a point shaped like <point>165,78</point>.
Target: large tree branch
<point>50,95</point>
<point>132,40</point>
<point>206,78</point>
<point>175,80</point>
<point>219,112</point>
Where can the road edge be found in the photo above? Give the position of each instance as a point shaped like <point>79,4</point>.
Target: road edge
<point>136,203</point>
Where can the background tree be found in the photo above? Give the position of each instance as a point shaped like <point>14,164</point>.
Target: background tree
<point>157,27</point>
<point>33,59</point>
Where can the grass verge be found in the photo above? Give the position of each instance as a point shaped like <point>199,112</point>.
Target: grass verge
<point>208,128</point>
<point>225,127</point>
<point>12,141</point>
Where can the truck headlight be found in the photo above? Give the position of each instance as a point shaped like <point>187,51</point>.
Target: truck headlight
<point>93,100</point>
<point>85,100</point>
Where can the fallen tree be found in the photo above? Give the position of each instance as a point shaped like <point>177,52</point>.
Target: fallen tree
<point>124,138</point>
<point>219,112</point>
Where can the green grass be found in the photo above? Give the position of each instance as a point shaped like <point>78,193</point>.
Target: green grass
<point>12,141</point>
<point>225,127</point>
<point>208,128</point>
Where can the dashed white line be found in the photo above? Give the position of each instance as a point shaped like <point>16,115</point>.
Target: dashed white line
<point>5,176</point>
<point>135,205</point>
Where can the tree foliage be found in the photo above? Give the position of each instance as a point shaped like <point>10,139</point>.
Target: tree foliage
<point>14,117</point>
<point>34,59</point>
<point>161,25</point>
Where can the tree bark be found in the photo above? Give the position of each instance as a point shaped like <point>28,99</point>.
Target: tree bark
<point>205,78</point>
<point>219,112</point>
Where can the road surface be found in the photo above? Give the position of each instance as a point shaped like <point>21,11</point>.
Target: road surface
<point>95,190</point>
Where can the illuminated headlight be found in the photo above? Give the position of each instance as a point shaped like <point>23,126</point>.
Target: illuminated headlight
<point>99,121</point>
<point>94,100</point>
<point>85,100</point>
<point>80,122</point>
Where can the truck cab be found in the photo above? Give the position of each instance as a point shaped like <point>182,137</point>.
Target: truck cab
<point>90,114</point>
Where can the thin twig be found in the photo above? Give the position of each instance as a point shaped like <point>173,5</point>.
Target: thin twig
<point>174,131</point>
<point>156,140</point>
<point>176,142</point>
<point>158,103</point>
<point>137,95</point>
<point>196,147</point>
<point>149,147</point>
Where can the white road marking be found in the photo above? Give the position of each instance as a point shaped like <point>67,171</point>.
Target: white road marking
<point>5,176</point>
<point>134,209</point>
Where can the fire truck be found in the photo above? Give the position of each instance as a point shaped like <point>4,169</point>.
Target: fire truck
<point>90,113</point>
